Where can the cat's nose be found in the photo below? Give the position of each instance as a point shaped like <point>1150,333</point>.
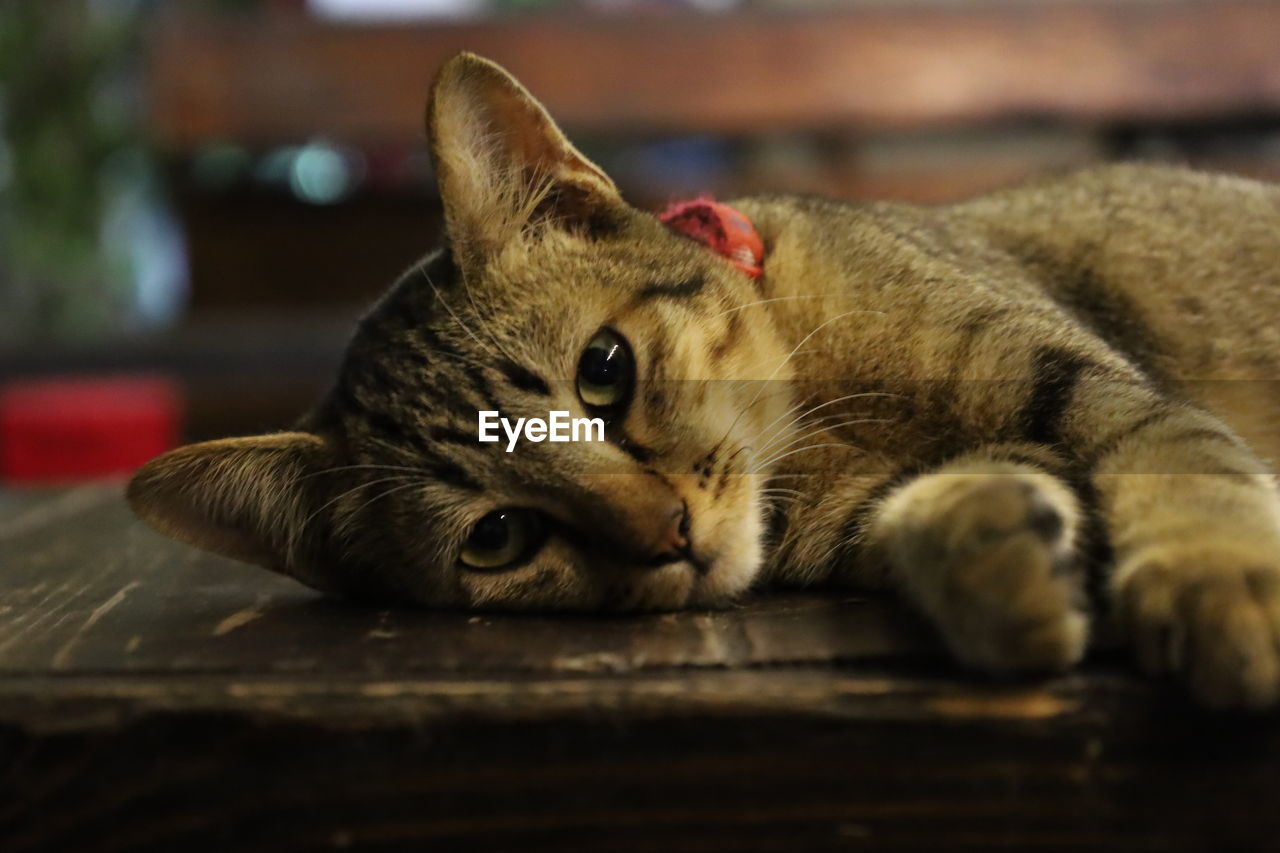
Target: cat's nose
<point>672,545</point>
<point>640,520</point>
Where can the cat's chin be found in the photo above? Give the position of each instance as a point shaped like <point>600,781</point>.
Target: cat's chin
<point>717,582</point>
<point>723,584</point>
<point>733,567</point>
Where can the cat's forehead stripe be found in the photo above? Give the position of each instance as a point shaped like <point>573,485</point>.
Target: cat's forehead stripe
<point>679,290</point>
<point>444,471</point>
<point>483,395</point>
<point>524,379</point>
<point>394,431</point>
<point>726,342</point>
<point>445,434</point>
<point>425,445</point>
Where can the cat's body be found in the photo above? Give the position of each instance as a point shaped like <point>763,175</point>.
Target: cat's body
<point>983,406</point>
<point>1107,279</point>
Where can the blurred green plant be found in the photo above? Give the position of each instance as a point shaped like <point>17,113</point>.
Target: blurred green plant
<point>68,140</point>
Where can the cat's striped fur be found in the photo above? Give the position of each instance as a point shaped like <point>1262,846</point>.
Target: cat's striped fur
<point>996,407</point>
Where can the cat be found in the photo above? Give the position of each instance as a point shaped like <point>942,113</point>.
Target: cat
<point>1008,409</point>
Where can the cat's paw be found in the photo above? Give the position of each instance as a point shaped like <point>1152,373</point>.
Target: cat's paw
<point>991,558</point>
<point>1211,616</point>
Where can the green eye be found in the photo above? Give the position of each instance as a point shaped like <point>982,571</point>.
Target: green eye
<point>503,537</point>
<point>606,371</point>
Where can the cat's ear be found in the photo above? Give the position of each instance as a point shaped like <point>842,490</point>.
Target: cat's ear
<point>245,498</point>
<point>502,163</point>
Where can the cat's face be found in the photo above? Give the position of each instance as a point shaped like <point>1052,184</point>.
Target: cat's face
<point>553,296</point>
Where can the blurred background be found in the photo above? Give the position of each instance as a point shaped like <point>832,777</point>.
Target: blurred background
<point>198,198</point>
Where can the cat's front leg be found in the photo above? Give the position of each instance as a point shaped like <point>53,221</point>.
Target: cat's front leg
<point>986,546</point>
<point>1194,520</point>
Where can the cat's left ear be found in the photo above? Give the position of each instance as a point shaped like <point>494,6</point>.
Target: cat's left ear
<point>249,498</point>
<point>502,163</point>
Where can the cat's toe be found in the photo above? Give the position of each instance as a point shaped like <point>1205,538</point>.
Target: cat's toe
<point>992,559</point>
<point>1010,610</point>
<point>1217,628</point>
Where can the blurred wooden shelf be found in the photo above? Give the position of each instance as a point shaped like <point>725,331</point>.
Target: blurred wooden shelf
<point>279,77</point>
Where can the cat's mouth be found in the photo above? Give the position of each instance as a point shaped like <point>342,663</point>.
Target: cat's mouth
<point>700,563</point>
<point>716,555</point>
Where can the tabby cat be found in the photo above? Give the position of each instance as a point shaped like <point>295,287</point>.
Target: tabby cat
<point>1010,410</point>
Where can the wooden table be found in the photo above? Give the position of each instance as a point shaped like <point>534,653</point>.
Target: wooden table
<point>155,698</point>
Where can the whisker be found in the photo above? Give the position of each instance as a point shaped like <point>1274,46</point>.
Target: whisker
<point>734,455</point>
<point>860,395</point>
<point>492,348</point>
<point>781,433</point>
<point>475,310</point>
<point>389,492</point>
<point>760,431</point>
<point>338,468</point>
<point>357,488</point>
<point>778,491</point>
<point>797,422</point>
<point>820,406</point>
<point>786,359</point>
<point>737,382</point>
<point>820,429</point>
<point>783,299</point>
<point>816,329</point>
<point>778,459</point>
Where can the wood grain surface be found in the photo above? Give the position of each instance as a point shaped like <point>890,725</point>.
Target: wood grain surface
<point>266,79</point>
<point>155,698</point>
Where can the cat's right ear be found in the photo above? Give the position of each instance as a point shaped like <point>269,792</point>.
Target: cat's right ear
<point>502,163</point>
<point>250,499</point>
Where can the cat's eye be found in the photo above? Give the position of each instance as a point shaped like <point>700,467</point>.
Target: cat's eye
<point>606,371</point>
<point>502,538</point>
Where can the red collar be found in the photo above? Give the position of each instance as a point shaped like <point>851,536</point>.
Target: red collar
<point>720,228</point>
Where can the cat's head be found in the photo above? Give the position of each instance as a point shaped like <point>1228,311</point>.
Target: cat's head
<point>552,294</point>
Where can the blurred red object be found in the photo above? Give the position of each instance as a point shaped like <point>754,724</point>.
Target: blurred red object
<point>72,429</point>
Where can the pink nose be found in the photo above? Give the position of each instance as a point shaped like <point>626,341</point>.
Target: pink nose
<point>674,539</point>
<point>642,516</point>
